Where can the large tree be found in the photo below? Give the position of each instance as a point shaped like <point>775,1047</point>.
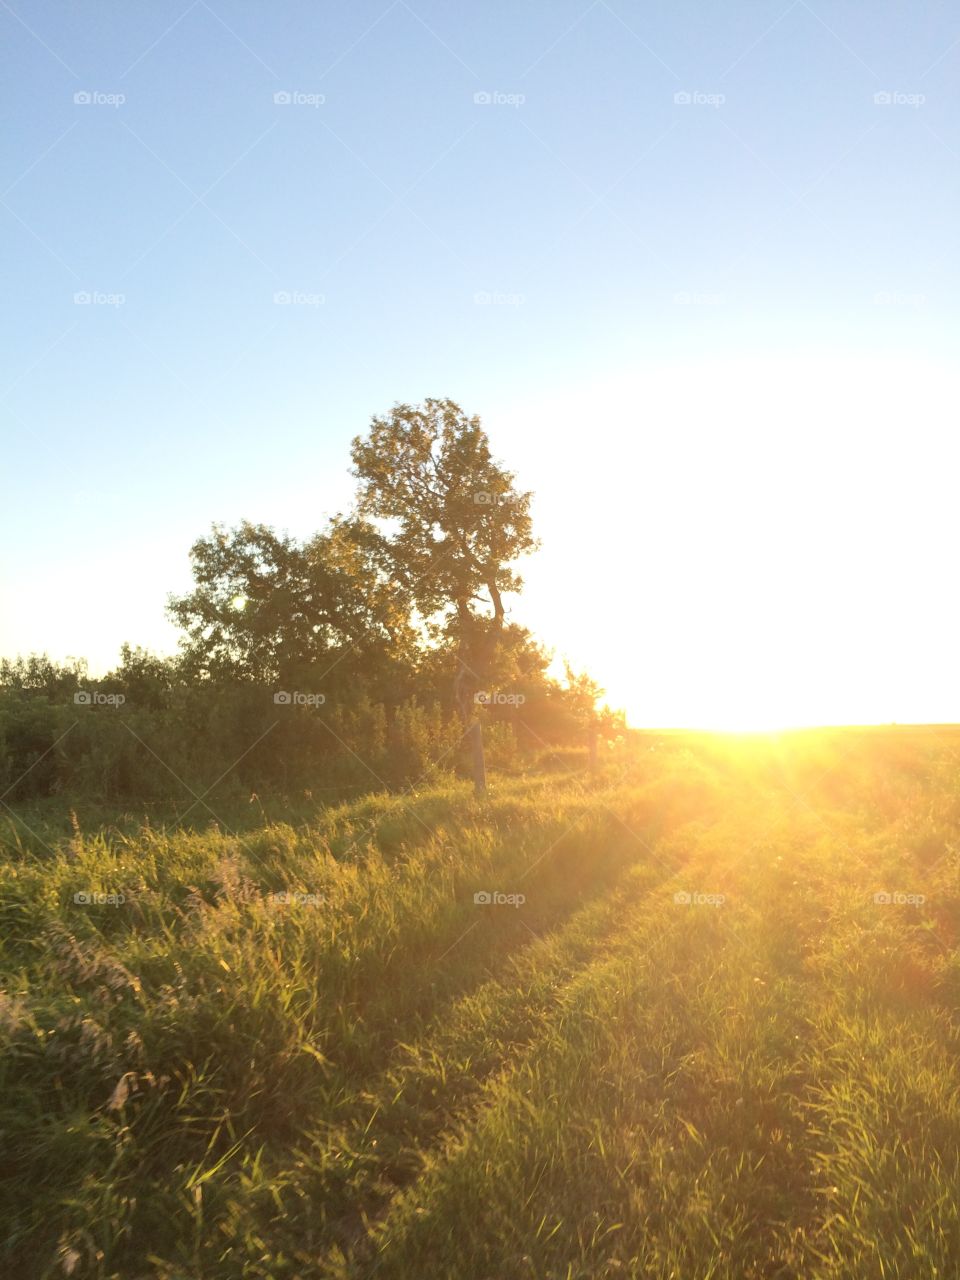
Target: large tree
<point>452,525</point>
<point>267,607</point>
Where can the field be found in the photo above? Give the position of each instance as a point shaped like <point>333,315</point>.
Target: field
<point>705,1027</point>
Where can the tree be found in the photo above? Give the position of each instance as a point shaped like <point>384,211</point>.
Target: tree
<point>265,607</point>
<point>452,524</point>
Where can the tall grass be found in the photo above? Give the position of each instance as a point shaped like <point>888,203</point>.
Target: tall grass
<point>303,1049</point>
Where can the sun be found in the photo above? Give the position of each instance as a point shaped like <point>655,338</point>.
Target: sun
<point>745,726</point>
<point>758,723</point>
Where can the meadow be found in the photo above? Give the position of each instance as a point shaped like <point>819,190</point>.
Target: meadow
<point>692,1014</point>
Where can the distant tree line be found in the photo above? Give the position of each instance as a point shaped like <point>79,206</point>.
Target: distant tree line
<point>358,658</point>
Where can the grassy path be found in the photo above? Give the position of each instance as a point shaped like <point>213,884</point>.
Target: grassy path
<point>383,1078</point>
<point>752,1089</point>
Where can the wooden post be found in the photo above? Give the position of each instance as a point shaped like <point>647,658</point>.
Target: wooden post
<point>479,769</point>
<point>592,747</point>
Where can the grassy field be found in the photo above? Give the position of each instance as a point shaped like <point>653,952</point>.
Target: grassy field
<point>710,1030</point>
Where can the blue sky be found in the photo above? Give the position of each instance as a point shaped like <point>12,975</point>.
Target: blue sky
<point>693,265</point>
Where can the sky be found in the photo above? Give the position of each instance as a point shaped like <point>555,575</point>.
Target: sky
<point>694,266</point>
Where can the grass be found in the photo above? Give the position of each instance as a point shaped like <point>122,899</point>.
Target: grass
<point>303,1050</point>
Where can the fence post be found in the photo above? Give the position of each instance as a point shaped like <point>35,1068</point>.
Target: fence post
<point>479,768</point>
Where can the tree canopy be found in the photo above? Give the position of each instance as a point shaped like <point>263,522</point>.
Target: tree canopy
<point>452,523</point>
